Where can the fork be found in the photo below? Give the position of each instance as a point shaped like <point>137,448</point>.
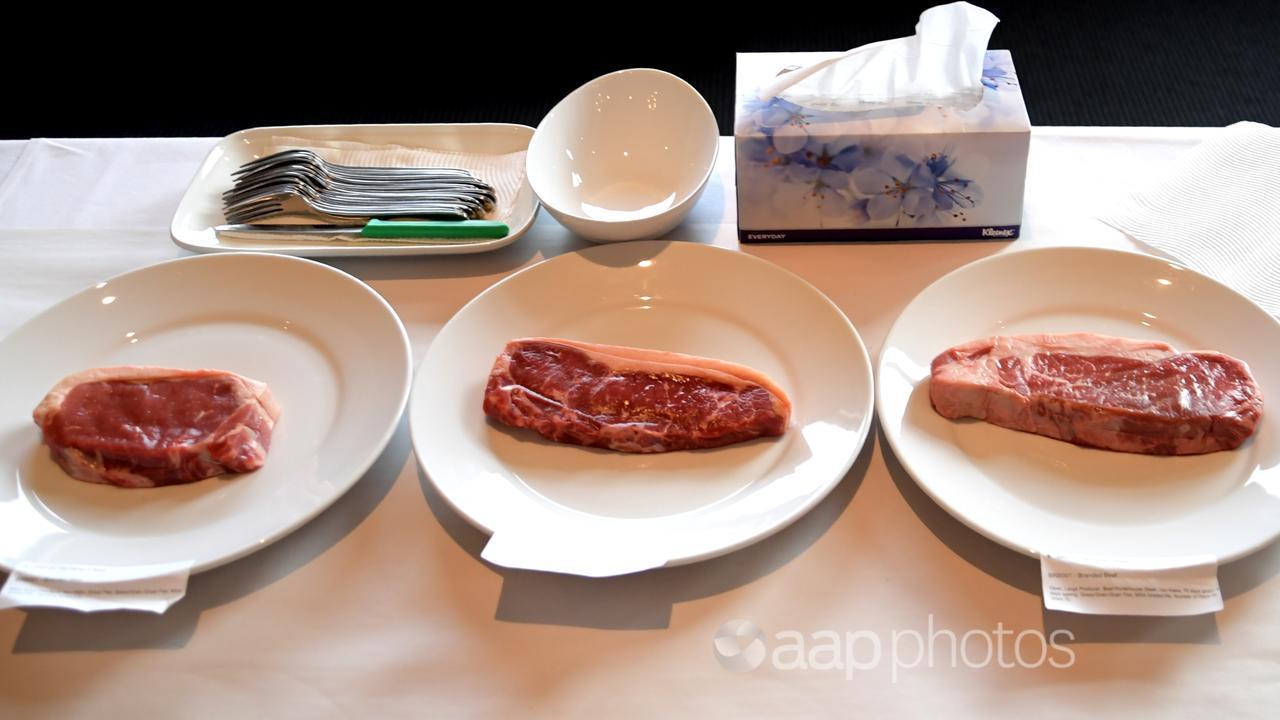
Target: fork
<point>300,182</point>
<point>308,158</point>
<point>308,185</point>
<point>286,203</point>
<point>322,174</point>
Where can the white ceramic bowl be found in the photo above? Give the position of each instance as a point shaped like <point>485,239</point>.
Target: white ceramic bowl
<point>625,156</point>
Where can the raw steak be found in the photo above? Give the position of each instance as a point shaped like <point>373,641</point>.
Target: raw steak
<point>146,426</point>
<point>628,399</point>
<point>1099,391</point>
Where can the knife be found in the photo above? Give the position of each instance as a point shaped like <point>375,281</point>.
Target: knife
<point>435,231</point>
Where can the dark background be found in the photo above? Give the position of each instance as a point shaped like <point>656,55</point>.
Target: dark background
<point>1079,63</point>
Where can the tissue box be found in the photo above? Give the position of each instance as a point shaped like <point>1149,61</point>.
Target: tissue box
<point>924,172</point>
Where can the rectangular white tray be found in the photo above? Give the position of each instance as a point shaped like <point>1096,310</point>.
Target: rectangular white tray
<point>201,207</point>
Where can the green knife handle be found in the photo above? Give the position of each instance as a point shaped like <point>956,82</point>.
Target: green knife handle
<point>435,229</point>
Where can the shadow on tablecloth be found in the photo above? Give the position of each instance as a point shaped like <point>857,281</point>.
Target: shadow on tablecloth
<point>54,630</point>
<point>1023,573</point>
<point>643,601</point>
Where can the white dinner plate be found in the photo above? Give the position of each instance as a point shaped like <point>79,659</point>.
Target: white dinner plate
<point>594,512</point>
<point>332,351</point>
<point>1043,496</point>
<point>200,209</point>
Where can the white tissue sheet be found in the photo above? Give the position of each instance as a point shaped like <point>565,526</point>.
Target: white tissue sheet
<point>940,65</point>
<point>1218,212</point>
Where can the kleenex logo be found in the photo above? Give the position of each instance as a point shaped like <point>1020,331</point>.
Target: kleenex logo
<point>997,232</point>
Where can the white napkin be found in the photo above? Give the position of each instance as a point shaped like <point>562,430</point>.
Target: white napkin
<point>504,172</point>
<point>1218,212</point>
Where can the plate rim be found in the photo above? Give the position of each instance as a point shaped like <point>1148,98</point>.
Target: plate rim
<point>891,434</point>
<point>802,509</point>
<point>179,234</point>
<point>384,438</point>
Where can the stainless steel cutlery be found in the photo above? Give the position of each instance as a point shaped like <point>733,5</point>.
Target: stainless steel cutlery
<point>300,183</point>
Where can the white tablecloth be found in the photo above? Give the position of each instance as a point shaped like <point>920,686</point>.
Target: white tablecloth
<point>381,607</point>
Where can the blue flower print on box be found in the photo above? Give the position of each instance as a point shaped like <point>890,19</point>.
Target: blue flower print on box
<point>816,193</point>
<point>894,186</point>
<point>785,122</point>
<point>997,72</point>
<point>952,194</point>
<point>797,175</point>
<point>759,150</point>
<point>831,154</point>
<point>923,190</point>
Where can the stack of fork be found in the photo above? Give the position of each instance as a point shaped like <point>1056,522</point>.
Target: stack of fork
<point>301,183</point>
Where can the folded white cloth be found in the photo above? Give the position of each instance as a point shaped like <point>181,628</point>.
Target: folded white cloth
<point>1218,212</point>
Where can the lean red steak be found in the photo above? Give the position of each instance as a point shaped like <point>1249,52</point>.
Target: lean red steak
<point>1099,391</point>
<point>139,427</point>
<point>630,399</point>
